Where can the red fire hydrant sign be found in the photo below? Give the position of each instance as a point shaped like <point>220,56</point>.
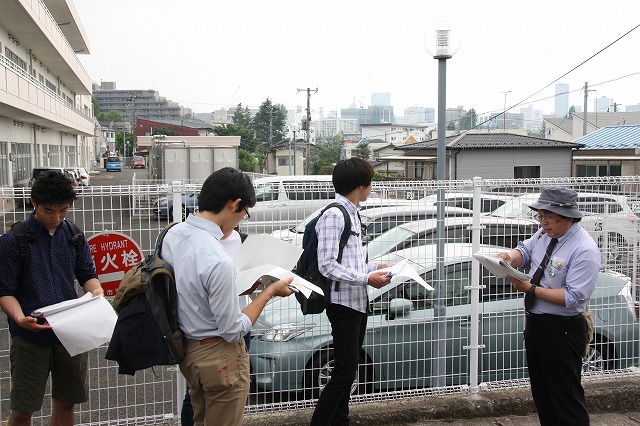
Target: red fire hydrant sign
<point>113,254</point>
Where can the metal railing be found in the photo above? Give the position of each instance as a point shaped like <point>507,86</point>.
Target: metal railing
<point>483,315</point>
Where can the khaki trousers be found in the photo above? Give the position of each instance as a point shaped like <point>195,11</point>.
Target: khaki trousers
<point>218,376</point>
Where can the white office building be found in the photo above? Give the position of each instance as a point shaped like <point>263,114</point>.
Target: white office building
<point>46,116</point>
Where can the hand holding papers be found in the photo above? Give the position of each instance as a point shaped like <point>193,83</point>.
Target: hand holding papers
<point>403,269</point>
<point>81,324</point>
<point>266,256</point>
<point>500,267</point>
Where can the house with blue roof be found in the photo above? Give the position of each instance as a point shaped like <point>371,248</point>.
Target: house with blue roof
<point>609,151</point>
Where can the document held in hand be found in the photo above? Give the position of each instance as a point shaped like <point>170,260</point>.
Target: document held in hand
<point>500,267</point>
<point>267,257</point>
<point>81,324</point>
<point>403,269</point>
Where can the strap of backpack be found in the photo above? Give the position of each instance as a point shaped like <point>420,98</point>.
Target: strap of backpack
<point>22,238</point>
<point>77,238</point>
<point>346,233</point>
<point>158,249</point>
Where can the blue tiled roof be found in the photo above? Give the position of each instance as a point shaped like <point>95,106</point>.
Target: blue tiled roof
<point>612,137</point>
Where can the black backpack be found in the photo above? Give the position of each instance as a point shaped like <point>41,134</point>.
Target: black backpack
<point>147,333</point>
<point>307,266</point>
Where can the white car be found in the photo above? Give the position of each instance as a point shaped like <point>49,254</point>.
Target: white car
<point>377,219</point>
<point>608,218</point>
<point>488,201</point>
<point>496,231</point>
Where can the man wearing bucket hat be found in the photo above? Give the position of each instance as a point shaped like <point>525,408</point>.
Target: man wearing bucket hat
<point>564,264</point>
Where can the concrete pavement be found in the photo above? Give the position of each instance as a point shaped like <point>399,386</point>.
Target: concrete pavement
<point>613,401</point>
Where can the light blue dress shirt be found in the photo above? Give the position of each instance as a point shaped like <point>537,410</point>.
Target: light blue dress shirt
<point>573,266</point>
<point>205,280</point>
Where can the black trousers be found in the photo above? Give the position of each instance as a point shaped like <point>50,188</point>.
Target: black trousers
<point>554,346</point>
<point>348,328</point>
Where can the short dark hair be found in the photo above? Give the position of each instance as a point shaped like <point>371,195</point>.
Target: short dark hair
<point>350,174</point>
<point>226,184</point>
<point>53,187</point>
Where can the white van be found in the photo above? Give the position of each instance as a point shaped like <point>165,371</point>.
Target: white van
<point>283,201</point>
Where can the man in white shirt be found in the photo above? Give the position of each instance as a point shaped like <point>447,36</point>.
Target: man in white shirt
<point>216,363</point>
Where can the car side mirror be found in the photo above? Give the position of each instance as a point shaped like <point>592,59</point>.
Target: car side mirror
<point>399,308</point>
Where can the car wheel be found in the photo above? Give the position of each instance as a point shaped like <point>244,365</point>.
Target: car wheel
<point>319,370</point>
<point>615,248</point>
<point>600,357</point>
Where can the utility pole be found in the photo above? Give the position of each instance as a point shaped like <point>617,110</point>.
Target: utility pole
<point>270,124</point>
<point>295,152</point>
<point>584,119</point>
<point>504,112</point>
<point>308,125</point>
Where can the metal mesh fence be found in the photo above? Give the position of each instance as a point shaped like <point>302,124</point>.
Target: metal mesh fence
<point>419,341</point>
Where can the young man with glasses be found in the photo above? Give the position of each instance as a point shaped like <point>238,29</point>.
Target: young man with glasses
<point>566,261</point>
<point>216,362</point>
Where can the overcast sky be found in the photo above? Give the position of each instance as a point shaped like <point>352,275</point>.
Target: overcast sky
<point>207,54</point>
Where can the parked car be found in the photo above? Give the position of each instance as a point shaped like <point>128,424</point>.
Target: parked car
<point>138,162</point>
<point>162,208</point>
<point>84,175</point>
<point>295,234</point>
<point>293,352</point>
<point>378,219</point>
<point>608,218</point>
<point>488,201</point>
<point>80,174</point>
<point>495,231</point>
<point>113,164</point>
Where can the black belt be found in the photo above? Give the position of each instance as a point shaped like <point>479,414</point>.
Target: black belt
<point>550,318</point>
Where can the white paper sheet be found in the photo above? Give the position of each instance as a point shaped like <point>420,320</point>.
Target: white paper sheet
<point>246,278</point>
<point>84,325</point>
<point>405,270</point>
<point>264,255</point>
<point>266,250</point>
<point>500,267</point>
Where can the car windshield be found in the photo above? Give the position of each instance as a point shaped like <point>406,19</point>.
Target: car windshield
<point>510,209</point>
<point>387,241</point>
<point>266,192</point>
<point>113,160</point>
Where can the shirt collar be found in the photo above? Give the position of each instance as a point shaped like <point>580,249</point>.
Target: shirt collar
<point>204,224</point>
<point>351,208</point>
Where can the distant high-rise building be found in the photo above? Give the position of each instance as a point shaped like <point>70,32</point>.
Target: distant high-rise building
<point>632,108</point>
<point>562,100</point>
<point>381,99</point>
<point>604,104</point>
<point>419,115</point>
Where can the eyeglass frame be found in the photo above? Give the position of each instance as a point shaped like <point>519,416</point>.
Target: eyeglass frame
<point>545,218</point>
<point>246,216</point>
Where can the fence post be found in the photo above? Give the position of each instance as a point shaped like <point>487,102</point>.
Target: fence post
<point>176,188</point>
<point>474,290</point>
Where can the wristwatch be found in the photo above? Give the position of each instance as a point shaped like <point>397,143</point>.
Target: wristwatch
<point>532,291</point>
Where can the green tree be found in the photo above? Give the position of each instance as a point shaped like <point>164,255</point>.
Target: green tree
<point>572,111</point>
<point>96,106</point>
<point>247,161</point>
<point>270,122</point>
<point>247,136</point>
<point>451,125</point>
<point>111,115</point>
<point>120,145</point>
<point>363,151</point>
<point>242,116</point>
<point>469,120</point>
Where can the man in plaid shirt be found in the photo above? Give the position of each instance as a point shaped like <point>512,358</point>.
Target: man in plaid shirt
<point>349,297</point>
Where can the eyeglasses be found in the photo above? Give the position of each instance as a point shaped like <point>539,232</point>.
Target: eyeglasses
<point>246,216</point>
<point>544,219</point>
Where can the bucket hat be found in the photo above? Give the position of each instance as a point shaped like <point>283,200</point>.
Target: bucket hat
<point>561,201</point>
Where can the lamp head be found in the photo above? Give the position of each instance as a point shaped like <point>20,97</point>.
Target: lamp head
<point>441,40</point>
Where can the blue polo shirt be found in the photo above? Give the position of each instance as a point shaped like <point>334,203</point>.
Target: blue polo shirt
<point>48,277</point>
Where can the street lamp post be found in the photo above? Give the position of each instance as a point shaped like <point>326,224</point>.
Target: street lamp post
<point>504,112</point>
<point>442,50</point>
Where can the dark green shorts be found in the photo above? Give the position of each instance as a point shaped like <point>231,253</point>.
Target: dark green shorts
<point>30,368</point>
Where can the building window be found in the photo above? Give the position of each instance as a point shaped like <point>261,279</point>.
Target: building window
<point>51,86</point>
<point>524,172</point>
<point>418,170</point>
<point>283,161</point>
<point>592,170</point>
<point>21,162</point>
<point>15,58</point>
